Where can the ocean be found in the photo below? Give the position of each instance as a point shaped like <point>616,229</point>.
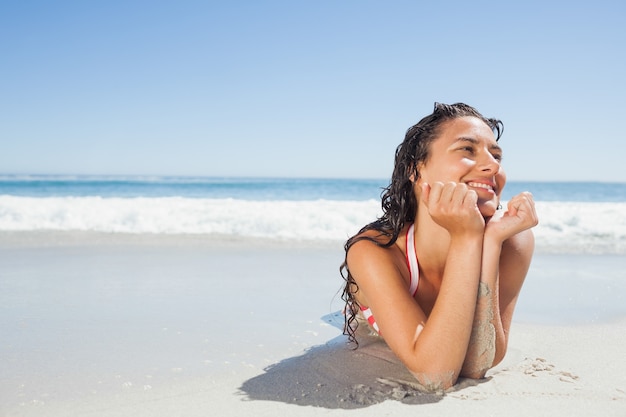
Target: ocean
<point>575,217</point>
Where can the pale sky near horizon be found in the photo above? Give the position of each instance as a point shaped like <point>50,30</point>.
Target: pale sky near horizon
<point>305,89</point>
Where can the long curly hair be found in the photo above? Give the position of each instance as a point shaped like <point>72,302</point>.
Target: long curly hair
<point>399,203</point>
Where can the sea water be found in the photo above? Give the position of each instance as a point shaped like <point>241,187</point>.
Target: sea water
<point>575,217</point>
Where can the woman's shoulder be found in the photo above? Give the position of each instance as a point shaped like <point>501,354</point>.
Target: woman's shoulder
<point>377,237</point>
<point>374,265</point>
<point>373,245</point>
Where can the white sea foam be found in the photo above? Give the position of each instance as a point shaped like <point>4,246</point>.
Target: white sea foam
<point>564,227</point>
<point>302,220</point>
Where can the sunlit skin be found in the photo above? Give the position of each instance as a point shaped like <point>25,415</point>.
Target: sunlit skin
<point>473,259</point>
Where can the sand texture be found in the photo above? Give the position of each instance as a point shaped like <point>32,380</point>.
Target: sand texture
<point>99,325</point>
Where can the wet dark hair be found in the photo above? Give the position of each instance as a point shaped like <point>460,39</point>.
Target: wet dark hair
<point>399,204</point>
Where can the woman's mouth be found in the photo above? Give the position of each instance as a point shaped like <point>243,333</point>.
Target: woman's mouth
<point>484,186</point>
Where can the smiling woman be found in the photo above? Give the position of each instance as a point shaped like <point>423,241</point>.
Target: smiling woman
<point>448,314</point>
<point>467,153</point>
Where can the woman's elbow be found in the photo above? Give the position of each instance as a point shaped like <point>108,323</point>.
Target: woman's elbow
<point>478,373</point>
<point>434,381</point>
<point>477,369</point>
<point>476,366</point>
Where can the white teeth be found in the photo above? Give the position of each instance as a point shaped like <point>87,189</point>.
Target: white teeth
<point>480,185</point>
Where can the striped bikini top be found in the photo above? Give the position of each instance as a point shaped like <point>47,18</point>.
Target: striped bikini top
<point>411,262</point>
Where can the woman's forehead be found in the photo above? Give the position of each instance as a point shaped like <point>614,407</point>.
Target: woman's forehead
<point>469,128</point>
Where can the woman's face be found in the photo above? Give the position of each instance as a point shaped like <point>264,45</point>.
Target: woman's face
<point>466,152</point>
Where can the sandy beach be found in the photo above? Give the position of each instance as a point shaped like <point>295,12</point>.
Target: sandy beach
<point>119,325</point>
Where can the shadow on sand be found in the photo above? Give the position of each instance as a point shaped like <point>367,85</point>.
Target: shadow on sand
<point>334,376</point>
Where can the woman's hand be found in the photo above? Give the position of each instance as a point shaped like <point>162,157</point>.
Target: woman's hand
<point>520,215</point>
<point>453,206</point>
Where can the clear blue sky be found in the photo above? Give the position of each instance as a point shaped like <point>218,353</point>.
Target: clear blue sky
<point>307,89</point>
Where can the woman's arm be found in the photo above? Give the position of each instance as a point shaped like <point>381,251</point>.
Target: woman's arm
<point>432,348</point>
<point>507,257</point>
<point>487,331</point>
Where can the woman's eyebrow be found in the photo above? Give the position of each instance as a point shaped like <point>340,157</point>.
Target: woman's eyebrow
<point>474,141</point>
<point>467,139</point>
<point>495,147</point>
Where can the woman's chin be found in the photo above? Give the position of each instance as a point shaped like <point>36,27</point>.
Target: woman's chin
<point>488,209</point>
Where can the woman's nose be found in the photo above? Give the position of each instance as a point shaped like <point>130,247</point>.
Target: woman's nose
<point>490,163</point>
